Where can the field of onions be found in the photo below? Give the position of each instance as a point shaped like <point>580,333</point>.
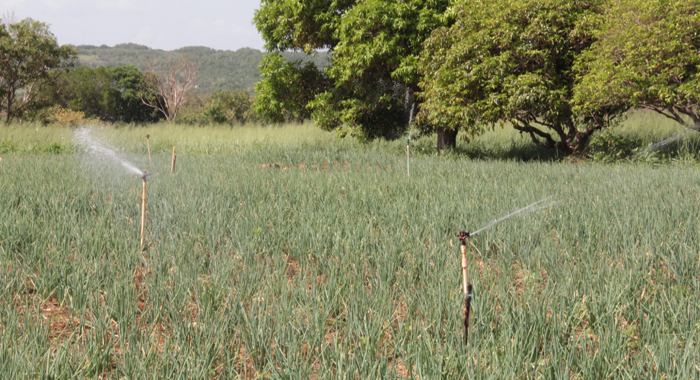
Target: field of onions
<point>336,265</point>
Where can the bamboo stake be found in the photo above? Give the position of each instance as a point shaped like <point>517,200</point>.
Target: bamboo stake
<point>172,166</point>
<point>143,212</point>
<point>148,142</point>
<point>467,285</point>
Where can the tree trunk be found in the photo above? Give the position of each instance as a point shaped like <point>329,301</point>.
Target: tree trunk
<point>446,138</point>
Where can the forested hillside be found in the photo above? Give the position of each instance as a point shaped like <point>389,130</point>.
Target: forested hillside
<point>218,69</point>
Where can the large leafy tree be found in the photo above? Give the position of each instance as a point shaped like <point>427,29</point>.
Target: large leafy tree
<point>512,61</point>
<point>30,59</point>
<point>374,45</point>
<point>286,88</point>
<point>647,55</point>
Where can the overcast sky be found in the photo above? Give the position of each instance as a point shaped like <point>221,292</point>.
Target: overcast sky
<point>159,24</point>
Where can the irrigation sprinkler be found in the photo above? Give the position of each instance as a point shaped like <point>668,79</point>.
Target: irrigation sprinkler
<point>467,286</point>
<point>143,211</point>
<point>468,290</point>
<point>172,165</point>
<point>148,142</point>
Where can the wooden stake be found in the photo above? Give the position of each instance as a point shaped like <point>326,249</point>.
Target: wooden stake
<point>148,142</point>
<point>143,215</point>
<point>408,158</point>
<point>172,166</point>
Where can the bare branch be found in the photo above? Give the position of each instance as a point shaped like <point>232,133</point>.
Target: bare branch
<point>171,86</point>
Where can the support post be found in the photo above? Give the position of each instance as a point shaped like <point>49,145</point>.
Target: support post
<point>148,142</point>
<point>408,157</point>
<point>143,213</point>
<point>172,166</point>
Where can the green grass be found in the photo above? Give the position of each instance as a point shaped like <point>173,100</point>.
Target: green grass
<point>337,265</point>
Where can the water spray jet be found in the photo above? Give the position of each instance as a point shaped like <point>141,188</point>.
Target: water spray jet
<point>663,143</point>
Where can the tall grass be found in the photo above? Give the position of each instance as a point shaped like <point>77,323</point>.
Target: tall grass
<point>337,266</point>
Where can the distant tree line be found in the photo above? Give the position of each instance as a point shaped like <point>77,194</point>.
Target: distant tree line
<point>40,82</point>
<point>555,70</point>
<point>217,70</point>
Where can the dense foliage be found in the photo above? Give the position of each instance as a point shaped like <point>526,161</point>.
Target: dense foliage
<point>374,44</point>
<point>30,59</point>
<point>645,56</point>
<point>506,61</point>
<point>109,94</point>
<point>286,88</point>
<point>230,107</point>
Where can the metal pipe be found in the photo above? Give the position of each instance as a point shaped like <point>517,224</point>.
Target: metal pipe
<point>467,286</point>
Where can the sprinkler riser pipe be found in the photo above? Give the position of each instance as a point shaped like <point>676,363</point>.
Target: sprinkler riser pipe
<point>143,215</point>
<point>465,275</point>
<point>148,142</point>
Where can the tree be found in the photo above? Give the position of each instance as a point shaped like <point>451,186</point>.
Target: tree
<point>374,45</point>
<point>229,107</point>
<point>286,88</point>
<point>30,59</point>
<point>645,56</point>
<point>171,85</point>
<point>506,61</point>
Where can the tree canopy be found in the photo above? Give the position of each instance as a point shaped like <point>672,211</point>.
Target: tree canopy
<point>374,45</point>
<point>646,55</point>
<point>508,61</point>
<point>109,94</point>
<point>30,59</point>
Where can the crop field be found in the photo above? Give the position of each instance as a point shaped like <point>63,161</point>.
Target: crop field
<point>336,265</point>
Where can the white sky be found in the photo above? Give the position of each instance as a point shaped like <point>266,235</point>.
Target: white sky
<point>159,24</point>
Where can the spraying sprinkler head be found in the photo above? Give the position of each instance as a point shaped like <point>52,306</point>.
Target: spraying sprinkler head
<point>463,236</point>
<point>145,175</point>
<point>148,136</point>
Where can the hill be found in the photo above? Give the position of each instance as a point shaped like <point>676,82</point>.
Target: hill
<point>218,69</point>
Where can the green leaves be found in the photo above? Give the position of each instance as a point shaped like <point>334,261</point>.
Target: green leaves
<point>286,88</point>
<point>646,55</point>
<point>374,45</point>
<point>508,61</point>
<point>30,58</point>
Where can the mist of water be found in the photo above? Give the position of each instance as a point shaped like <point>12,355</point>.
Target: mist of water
<point>663,143</point>
<point>84,137</point>
<point>539,205</point>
